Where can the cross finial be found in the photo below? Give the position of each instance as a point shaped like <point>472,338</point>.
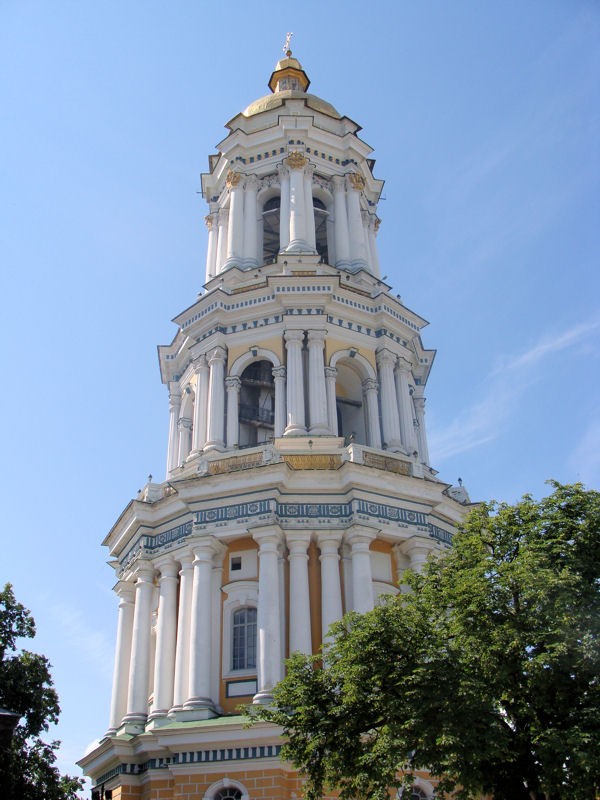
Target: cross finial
<point>286,47</point>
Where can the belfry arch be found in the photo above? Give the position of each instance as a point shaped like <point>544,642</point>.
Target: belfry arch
<point>354,410</point>
<point>253,380</point>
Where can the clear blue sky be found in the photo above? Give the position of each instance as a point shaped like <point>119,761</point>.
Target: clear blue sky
<point>484,118</point>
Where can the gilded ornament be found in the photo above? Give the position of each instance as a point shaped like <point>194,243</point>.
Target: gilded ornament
<point>296,160</point>
<point>233,178</point>
<point>357,181</point>
<point>209,221</point>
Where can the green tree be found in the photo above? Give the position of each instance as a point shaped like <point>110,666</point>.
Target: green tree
<point>27,769</point>
<point>486,673</point>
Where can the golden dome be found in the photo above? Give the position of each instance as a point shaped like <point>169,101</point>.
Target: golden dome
<point>277,99</point>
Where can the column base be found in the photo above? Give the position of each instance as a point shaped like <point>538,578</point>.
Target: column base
<point>320,430</point>
<point>219,446</point>
<point>299,246</point>
<point>394,447</point>
<point>133,724</point>
<point>263,698</point>
<point>295,430</point>
<point>204,709</point>
<point>158,719</point>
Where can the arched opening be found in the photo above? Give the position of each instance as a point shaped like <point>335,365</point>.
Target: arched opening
<point>321,216</point>
<point>257,403</point>
<point>349,404</point>
<point>271,216</point>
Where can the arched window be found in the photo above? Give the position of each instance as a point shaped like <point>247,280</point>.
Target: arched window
<point>271,217</point>
<point>243,645</point>
<point>257,403</point>
<point>321,229</point>
<point>229,793</point>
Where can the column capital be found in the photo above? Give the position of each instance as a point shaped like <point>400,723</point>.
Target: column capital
<point>296,160</point>
<point>355,181</point>
<point>200,363</point>
<point>167,567</point>
<point>125,591</point>
<point>218,353</point>
<point>233,383</point>
<point>403,366</point>
<point>184,422</point>
<point>331,372</point>
<point>329,542</point>
<point>293,336</point>
<point>339,182</point>
<point>283,171</point>
<point>278,373</point>
<point>205,548</point>
<point>233,179</point>
<point>360,537</point>
<point>185,559</point>
<point>268,538</point>
<point>210,220</point>
<point>298,542</point>
<point>385,357</point>
<point>144,572</point>
<point>370,385</point>
<point>251,182</point>
<point>317,337</point>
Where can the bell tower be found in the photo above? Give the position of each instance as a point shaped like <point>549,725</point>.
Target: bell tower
<point>298,484</point>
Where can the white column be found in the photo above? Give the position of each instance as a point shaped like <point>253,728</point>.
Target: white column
<point>298,244</point>
<point>310,211</point>
<point>300,635</point>
<point>389,403</point>
<point>233,384</point>
<point>369,387</point>
<point>417,552</point>
<point>216,400</point>
<point>279,379</point>
<point>139,667</point>
<point>211,250</point>
<point>372,234</point>
<point>419,402</point>
<point>331,594</point>
<point>174,409</point>
<point>330,376</point>
<point>118,707</point>
<point>342,235</point>
<point>164,664</point>
<point>359,539</point>
<point>185,438</point>
<point>284,208</point>
<point>199,699</point>
<point>295,384</point>
<point>358,252</point>
<point>182,650</point>
<point>222,239</point>
<point>200,404</point>
<point>269,632</point>
<point>409,441</point>
<point>317,392</point>
<point>366,218</point>
<point>235,232</point>
<point>217,582</point>
<point>250,223</point>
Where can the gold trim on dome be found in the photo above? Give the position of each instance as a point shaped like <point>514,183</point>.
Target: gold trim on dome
<point>357,181</point>
<point>233,178</point>
<point>296,160</point>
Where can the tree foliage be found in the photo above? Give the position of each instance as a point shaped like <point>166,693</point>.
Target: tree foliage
<point>486,673</point>
<point>27,769</point>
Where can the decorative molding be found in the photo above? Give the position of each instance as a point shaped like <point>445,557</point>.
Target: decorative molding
<point>296,160</point>
<point>388,464</point>
<point>194,757</point>
<point>313,462</point>
<point>233,179</point>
